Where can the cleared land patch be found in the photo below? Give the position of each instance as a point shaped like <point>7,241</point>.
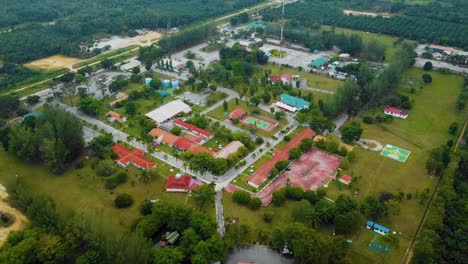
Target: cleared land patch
<point>52,63</point>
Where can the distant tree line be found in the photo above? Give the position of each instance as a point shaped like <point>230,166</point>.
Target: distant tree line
<point>30,36</point>
<point>417,25</point>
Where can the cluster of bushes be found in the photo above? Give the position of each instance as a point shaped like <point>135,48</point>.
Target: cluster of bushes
<point>377,119</point>
<point>123,200</point>
<point>113,182</point>
<point>296,194</point>
<point>243,198</point>
<point>461,101</point>
<point>331,146</point>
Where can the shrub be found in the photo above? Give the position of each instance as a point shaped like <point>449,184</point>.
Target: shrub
<point>368,120</point>
<point>428,66</point>
<point>287,138</point>
<point>311,196</point>
<point>321,192</point>
<point>294,193</point>
<point>105,168</point>
<point>281,165</point>
<point>146,207</point>
<point>112,183</point>
<point>259,140</point>
<point>279,197</point>
<point>294,153</point>
<point>176,130</point>
<point>123,200</point>
<point>255,203</point>
<point>344,164</point>
<point>268,216</point>
<point>453,128</point>
<point>241,197</point>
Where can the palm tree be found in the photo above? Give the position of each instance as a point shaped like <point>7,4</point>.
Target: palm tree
<point>145,176</point>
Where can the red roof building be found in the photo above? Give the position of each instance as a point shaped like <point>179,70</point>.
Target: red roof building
<point>274,78</point>
<point>286,78</point>
<point>388,110</point>
<point>346,179</point>
<point>183,143</point>
<point>135,157</point>
<point>193,128</point>
<point>197,149</point>
<point>238,113</point>
<point>179,183</point>
<point>262,173</point>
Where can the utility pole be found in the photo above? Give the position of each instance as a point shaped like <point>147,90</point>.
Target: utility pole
<point>282,29</point>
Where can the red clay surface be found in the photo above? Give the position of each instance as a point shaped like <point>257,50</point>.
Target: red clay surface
<point>310,172</point>
<point>262,173</point>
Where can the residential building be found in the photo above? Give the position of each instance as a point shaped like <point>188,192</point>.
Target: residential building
<point>388,110</point>
<point>115,117</point>
<point>131,157</point>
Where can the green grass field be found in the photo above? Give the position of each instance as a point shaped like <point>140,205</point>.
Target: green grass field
<point>386,40</point>
<point>313,80</point>
<point>84,192</point>
<point>395,153</point>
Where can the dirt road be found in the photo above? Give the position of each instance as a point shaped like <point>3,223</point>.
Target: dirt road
<point>20,219</point>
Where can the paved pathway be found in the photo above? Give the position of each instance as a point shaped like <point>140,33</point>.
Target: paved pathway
<point>220,212</point>
<point>364,143</point>
<point>303,85</point>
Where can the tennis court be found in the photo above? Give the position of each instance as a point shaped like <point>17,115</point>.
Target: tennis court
<point>259,122</point>
<point>395,153</point>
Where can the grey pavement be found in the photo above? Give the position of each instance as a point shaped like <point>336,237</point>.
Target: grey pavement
<point>220,212</point>
<point>256,254</point>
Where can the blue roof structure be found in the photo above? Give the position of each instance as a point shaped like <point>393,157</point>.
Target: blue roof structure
<point>299,103</point>
<point>258,24</point>
<point>318,62</point>
<point>374,225</point>
<point>34,114</point>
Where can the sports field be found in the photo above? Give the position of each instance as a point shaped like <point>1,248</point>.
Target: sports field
<point>395,153</point>
<point>310,172</point>
<point>259,122</point>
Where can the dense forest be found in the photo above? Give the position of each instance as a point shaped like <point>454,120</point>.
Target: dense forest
<point>419,22</point>
<point>34,30</point>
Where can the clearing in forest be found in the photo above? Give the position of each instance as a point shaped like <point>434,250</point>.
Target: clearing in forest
<point>53,63</point>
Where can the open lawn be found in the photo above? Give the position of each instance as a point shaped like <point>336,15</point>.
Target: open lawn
<point>313,80</point>
<point>220,115</point>
<point>366,37</point>
<point>83,191</point>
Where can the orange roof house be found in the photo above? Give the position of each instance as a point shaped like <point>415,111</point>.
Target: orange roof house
<point>129,157</point>
<point>163,136</point>
<point>115,117</point>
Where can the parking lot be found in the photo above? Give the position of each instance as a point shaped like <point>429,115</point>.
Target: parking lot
<point>99,83</point>
<point>203,58</point>
<point>295,57</point>
<point>256,254</point>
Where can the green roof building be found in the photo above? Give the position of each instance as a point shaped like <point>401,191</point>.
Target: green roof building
<point>294,101</point>
<point>172,238</point>
<point>317,63</point>
<point>257,24</point>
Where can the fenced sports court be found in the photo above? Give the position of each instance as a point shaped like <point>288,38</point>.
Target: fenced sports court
<point>395,153</point>
<point>259,122</point>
